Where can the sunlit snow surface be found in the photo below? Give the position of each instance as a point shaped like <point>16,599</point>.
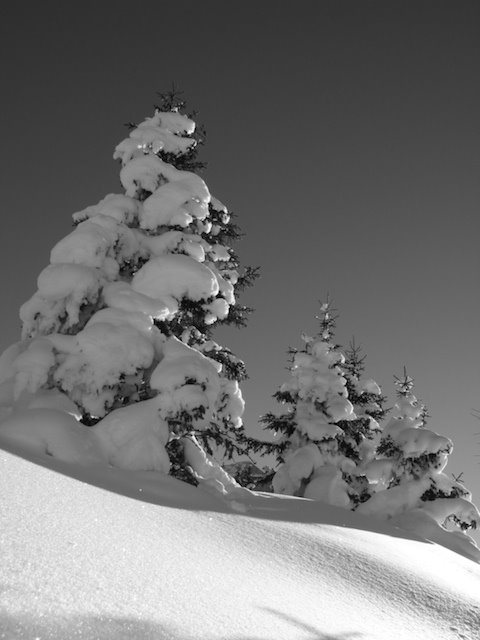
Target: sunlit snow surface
<point>97,552</point>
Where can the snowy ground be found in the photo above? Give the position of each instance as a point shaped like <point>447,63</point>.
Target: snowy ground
<point>101,553</point>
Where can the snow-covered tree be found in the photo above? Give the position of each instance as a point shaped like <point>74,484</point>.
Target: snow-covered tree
<point>323,443</point>
<point>119,332</point>
<point>408,469</point>
<point>360,436</point>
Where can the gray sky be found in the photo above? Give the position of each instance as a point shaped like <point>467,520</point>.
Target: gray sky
<point>344,135</point>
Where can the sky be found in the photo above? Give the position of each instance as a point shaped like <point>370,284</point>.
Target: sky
<point>344,135</point>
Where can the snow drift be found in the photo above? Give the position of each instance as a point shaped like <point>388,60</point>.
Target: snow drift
<point>97,552</point>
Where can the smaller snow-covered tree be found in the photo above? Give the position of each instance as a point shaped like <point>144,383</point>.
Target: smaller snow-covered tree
<point>316,458</point>
<point>360,436</point>
<point>408,468</point>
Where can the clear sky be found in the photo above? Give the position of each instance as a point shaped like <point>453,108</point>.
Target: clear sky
<point>344,135</point>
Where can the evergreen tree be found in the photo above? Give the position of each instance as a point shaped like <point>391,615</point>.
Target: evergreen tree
<point>322,440</point>
<point>408,468</point>
<point>360,436</point>
<point>120,328</point>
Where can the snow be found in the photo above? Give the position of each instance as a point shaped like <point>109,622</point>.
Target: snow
<point>144,172</point>
<point>314,424</point>
<point>218,309</point>
<point>370,386</point>
<point>141,448</point>
<point>6,360</point>
<point>118,317</point>
<point>88,244</point>
<point>230,403</point>
<point>327,485</point>
<point>158,133</point>
<point>33,364</point>
<point>443,508</point>
<point>177,202</point>
<point>186,381</point>
<point>49,399</point>
<point>113,344</point>
<point>100,242</point>
<point>340,408</point>
<point>176,276</point>
<point>98,552</point>
<point>211,475</point>
<point>62,290</point>
<point>58,281</point>
<point>53,433</point>
<point>414,442</point>
<point>104,352</point>
<point>396,500</point>
<point>176,241</point>
<point>117,206</point>
<point>174,122</point>
<point>120,295</point>
<point>225,279</point>
<point>112,348</point>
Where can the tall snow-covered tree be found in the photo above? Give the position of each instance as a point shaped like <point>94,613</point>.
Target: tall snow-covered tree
<point>408,469</point>
<point>119,331</point>
<point>320,450</point>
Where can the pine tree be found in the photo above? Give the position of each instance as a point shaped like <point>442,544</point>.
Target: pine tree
<point>360,436</point>
<point>121,326</point>
<point>408,468</point>
<point>320,450</point>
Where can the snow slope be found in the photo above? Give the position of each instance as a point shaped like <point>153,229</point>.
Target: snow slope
<point>97,553</point>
